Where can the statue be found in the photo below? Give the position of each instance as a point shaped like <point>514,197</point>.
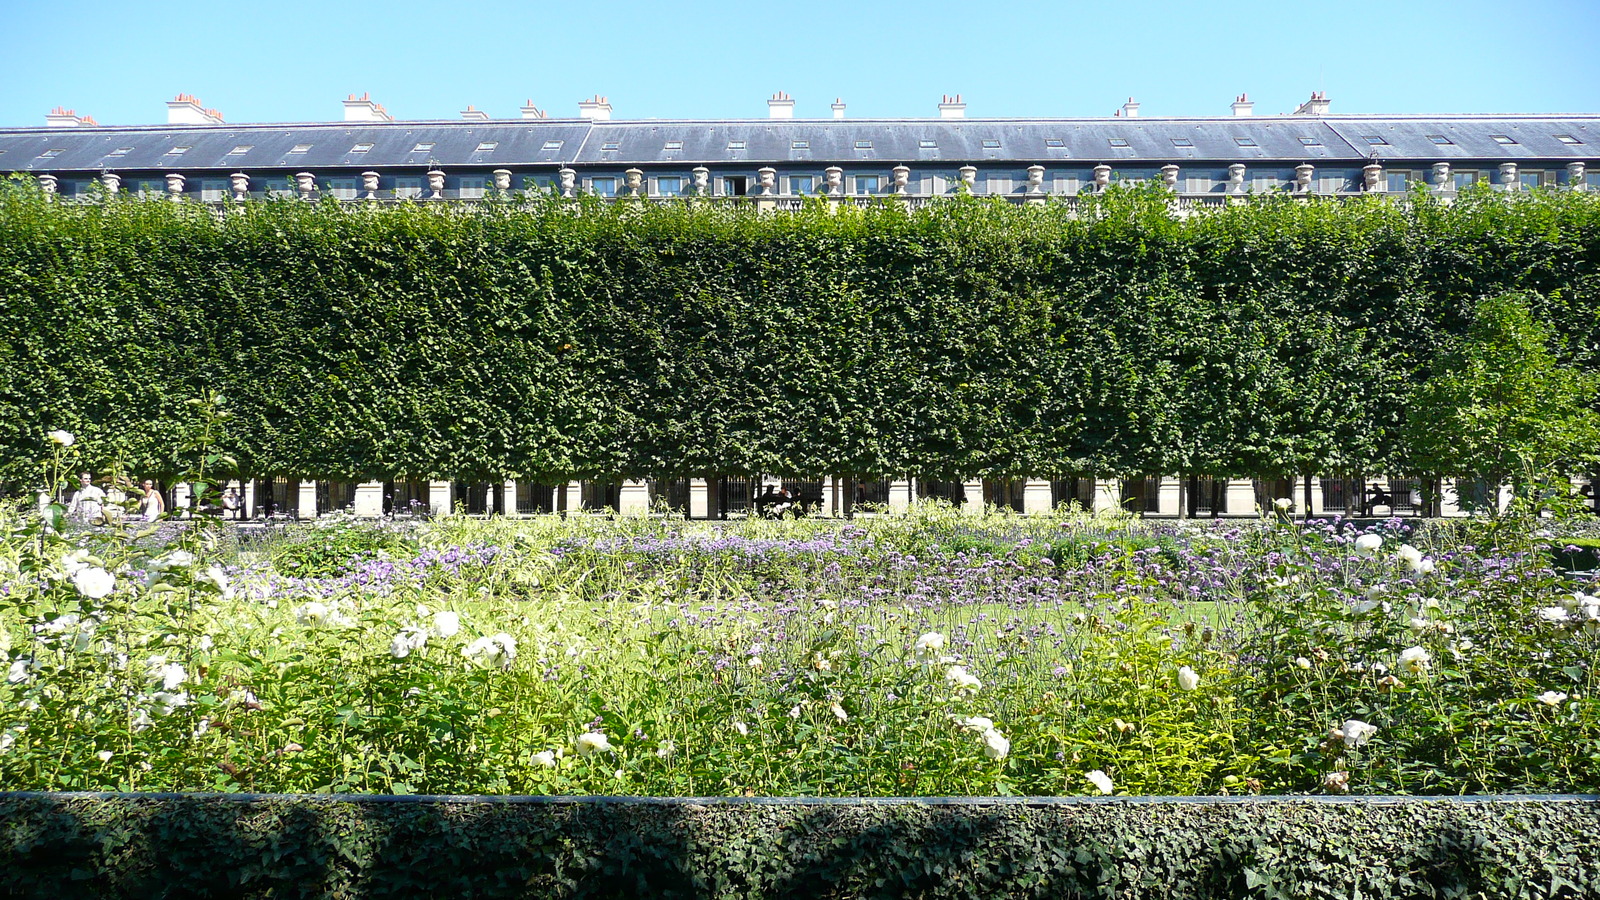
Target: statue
<point>702,181</point>
<point>175,187</point>
<point>1372,178</point>
<point>1441,176</point>
<point>112,181</point>
<point>634,178</point>
<point>435,184</point>
<point>569,181</point>
<point>1236,178</point>
<point>1302,177</point>
<point>240,183</point>
<point>305,183</point>
<point>969,177</point>
<point>1169,175</point>
<point>502,180</point>
<point>1036,179</point>
<point>1102,177</point>
<point>900,178</point>
<point>833,177</point>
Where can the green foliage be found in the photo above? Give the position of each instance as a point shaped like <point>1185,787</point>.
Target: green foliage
<point>1500,405</point>
<point>539,341</point>
<point>348,848</point>
<point>334,545</point>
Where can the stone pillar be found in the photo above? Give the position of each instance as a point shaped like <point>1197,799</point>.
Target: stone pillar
<point>1508,176</point>
<point>1106,497</point>
<point>175,187</point>
<point>248,501</point>
<point>47,183</point>
<point>1317,508</point>
<point>830,497</point>
<point>972,502</point>
<point>307,504</point>
<point>1236,178</point>
<point>1036,497</point>
<point>439,498</point>
<point>699,499</point>
<point>181,497</point>
<point>502,180</point>
<point>567,179</point>
<point>240,182</point>
<point>1576,176</point>
<point>369,185</point>
<point>633,499</point>
<point>508,498</point>
<point>969,177</point>
<point>900,494</point>
<point>435,184</point>
<point>112,181</point>
<point>1169,490</point>
<point>1441,177</point>
<point>1241,494</point>
<point>368,501</point>
<point>1372,178</point>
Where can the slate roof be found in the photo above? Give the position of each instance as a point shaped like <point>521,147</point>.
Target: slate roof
<point>549,143</point>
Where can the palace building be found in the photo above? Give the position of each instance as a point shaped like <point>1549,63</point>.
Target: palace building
<point>777,163</point>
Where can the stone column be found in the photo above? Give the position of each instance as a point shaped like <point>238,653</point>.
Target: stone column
<point>1105,495</point>
<point>368,501</point>
<point>307,504</point>
<point>508,498</point>
<point>1172,497</point>
<point>248,501</point>
<point>699,499</point>
<point>633,499</point>
<point>1317,494</point>
<point>175,187</point>
<point>830,497</point>
<point>1036,497</point>
<point>240,182</point>
<point>47,183</point>
<point>900,494</point>
<point>439,498</point>
<point>1241,494</point>
<point>972,503</point>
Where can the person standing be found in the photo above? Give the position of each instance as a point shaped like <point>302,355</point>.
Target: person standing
<point>88,504</point>
<point>152,504</point>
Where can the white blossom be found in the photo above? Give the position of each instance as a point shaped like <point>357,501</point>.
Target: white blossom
<point>496,650</point>
<point>64,438</point>
<point>1283,504</point>
<point>961,679</point>
<point>838,712</point>
<point>218,578</point>
<point>1356,733</point>
<point>1551,698</point>
<point>410,640</point>
<point>929,644</point>
<point>94,582</point>
<point>995,744</point>
<point>105,755</point>
<point>1101,781</point>
<point>446,624</point>
<point>592,742</point>
<point>1187,679</point>
<point>545,758</point>
<point>979,724</point>
<point>1368,544</point>
<point>169,674</point>
<point>742,728</point>
<point>1554,614</point>
<point>1415,660</point>
<point>20,672</point>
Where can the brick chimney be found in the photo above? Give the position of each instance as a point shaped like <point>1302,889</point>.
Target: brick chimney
<point>362,109</point>
<point>781,106</point>
<point>952,107</point>
<point>66,118</point>
<point>474,115</point>
<point>1316,106</point>
<point>598,109</point>
<point>185,109</point>
<point>1243,106</point>
<point>529,111</point>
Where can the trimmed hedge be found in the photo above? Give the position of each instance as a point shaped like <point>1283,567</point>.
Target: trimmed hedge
<point>548,341</point>
<point>241,846</point>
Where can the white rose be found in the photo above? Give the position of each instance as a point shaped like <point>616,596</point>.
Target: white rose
<point>1356,733</point>
<point>408,641</point>
<point>1284,504</point>
<point>1415,660</point>
<point>995,744</point>
<point>1551,698</point>
<point>94,582</point>
<point>593,742</point>
<point>979,724</point>
<point>64,438</point>
<point>1101,781</point>
<point>545,758</point>
<point>932,642</point>
<point>961,679</point>
<point>446,624</point>
<point>1368,544</point>
<point>1187,679</point>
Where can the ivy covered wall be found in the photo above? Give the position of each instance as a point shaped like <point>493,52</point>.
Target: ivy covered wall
<point>548,340</point>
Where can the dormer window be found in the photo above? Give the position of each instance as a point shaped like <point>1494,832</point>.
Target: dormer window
<point>299,148</point>
<point>1440,139</point>
<point>240,150</point>
<point>1566,139</point>
<point>1117,142</point>
<point>361,147</point>
<point>1374,140</point>
<point>799,145</point>
<point>928,145</point>
<point>423,147</point>
<point>551,145</point>
<point>121,151</point>
<point>736,145</point>
<point>1183,142</point>
<point>672,145</point>
<point>610,146</point>
<point>1055,143</point>
<point>1502,139</point>
<point>51,154</point>
<point>177,151</point>
<point>991,145</point>
<point>1245,141</point>
<point>1310,142</point>
<point>863,145</point>
<point>487,147</point>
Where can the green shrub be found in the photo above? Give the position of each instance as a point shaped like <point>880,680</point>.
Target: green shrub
<point>335,545</point>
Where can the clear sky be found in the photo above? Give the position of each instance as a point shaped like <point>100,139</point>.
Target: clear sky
<point>294,60</point>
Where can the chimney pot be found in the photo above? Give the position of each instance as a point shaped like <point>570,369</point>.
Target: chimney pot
<point>1243,106</point>
<point>838,108</point>
<point>781,106</point>
<point>1131,108</point>
<point>598,109</point>
<point>952,107</point>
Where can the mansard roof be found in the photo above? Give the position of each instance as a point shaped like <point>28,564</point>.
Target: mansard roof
<point>553,142</point>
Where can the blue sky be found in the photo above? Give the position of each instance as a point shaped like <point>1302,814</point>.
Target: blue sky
<point>295,60</point>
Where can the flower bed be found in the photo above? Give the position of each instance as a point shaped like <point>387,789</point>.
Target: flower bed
<point>929,655</point>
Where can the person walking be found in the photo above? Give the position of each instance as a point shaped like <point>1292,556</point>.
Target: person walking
<point>152,505</point>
